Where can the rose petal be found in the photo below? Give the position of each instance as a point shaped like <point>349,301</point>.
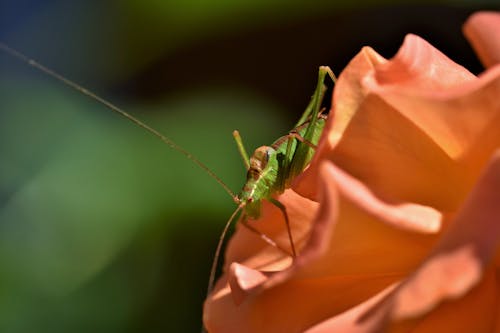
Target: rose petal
<point>362,115</point>
<point>406,141</point>
<point>420,67</point>
<point>496,328</point>
<point>242,280</point>
<point>245,281</point>
<point>256,293</point>
<point>482,29</point>
<point>249,249</point>
<point>457,263</point>
<point>407,216</point>
<point>369,231</point>
<point>416,131</point>
<point>304,290</point>
<point>349,321</point>
<point>473,313</point>
<point>453,272</point>
<point>349,86</point>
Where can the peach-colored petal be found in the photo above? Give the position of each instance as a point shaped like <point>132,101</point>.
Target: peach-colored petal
<point>407,216</point>
<point>369,231</point>
<point>453,272</point>
<point>250,294</point>
<point>406,236</point>
<point>496,328</point>
<point>473,313</point>
<point>247,248</point>
<point>361,114</point>
<point>349,321</point>
<point>457,263</point>
<point>482,29</point>
<point>313,279</point>
<point>420,67</point>
<point>242,280</point>
<point>349,86</point>
<point>408,141</point>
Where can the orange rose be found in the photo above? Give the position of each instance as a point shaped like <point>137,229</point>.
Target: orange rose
<point>398,216</point>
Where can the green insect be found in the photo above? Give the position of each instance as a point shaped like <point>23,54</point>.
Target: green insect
<point>270,169</point>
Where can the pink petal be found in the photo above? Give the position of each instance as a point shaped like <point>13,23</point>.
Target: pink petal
<point>482,29</point>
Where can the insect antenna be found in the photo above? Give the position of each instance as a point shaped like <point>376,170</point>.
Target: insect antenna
<point>213,269</point>
<point>112,107</point>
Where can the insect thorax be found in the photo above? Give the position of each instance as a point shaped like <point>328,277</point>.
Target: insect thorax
<point>261,179</point>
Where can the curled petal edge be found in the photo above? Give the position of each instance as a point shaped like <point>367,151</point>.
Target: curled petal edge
<point>245,281</point>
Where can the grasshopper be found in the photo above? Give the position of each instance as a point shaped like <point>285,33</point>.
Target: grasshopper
<point>270,169</point>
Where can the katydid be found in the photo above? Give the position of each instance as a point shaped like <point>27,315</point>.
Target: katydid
<point>270,169</point>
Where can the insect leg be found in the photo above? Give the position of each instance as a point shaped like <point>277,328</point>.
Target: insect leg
<point>287,222</point>
<point>296,135</point>
<point>281,140</point>
<point>311,109</point>
<point>264,237</point>
<point>302,154</point>
<point>241,149</point>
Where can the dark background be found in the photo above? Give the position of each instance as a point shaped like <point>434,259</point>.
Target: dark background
<point>102,227</point>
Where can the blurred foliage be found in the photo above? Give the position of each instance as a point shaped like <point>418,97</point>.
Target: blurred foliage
<point>102,227</point>
<point>81,189</point>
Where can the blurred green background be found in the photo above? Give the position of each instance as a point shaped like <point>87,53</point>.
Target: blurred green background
<point>102,227</point>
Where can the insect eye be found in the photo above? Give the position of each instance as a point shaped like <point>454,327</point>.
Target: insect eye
<point>268,153</point>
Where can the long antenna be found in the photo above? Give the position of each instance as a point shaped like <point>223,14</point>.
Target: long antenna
<point>213,270</point>
<point>112,107</point>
